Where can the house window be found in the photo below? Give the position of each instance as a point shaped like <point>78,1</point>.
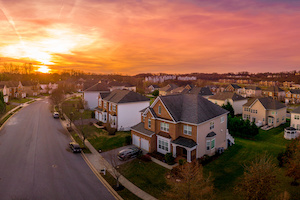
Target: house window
<point>283,118</point>
<point>164,127</point>
<point>213,143</point>
<point>104,117</point>
<point>163,144</point>
<point>114,108</point>
<point>104,104</point>
<point>100,101</point>
<point>208,145</point>
<point>297,117</point>
<point>277,119</point>
<point>159,109</point>
<point>187,130</point>
<point>212,125</point>
<point>222,119</point>
<point>298,126</point>
<point>149,123</point>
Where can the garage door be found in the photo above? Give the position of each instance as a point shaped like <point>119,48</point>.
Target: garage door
<point>145,144</point>
<point>136,140</point>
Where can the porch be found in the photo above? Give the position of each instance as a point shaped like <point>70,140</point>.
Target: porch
<point>185,148</point>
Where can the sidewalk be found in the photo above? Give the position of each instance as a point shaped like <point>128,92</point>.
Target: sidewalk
<point>99,163</point>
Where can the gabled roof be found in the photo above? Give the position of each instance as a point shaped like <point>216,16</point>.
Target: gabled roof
<point>89,83</point>
<point>168,88</point>
<point>10,83</point>
<point>267,102</point>
<point>28,83</point>
<point>297,110</point>
<point>204,91</point>
<point>186,142</point>
<point>274,89</point>
<point>103,94</point>
<point>295,91</point>
<point>125,96</point>
<point>116,83</point>
<point>154,86</point>
<point>178,90</point>
<point>252,88</point>
<point>235,86</point>
<point>227,95</point>
<point>140,128</point>
<point>98,87</point>
<point>191,108</point>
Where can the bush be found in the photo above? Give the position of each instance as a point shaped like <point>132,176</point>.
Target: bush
<point>182,161</point>
<point>169,158</point>
<point>128,139</point>
<point>155,93</point>
<point>205,159</point>
<point>99,123</point>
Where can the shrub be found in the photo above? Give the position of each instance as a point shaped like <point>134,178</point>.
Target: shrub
<point>182,161</point>
<point>169,158</point>
<point>205,159</point>
<point>99,123</point>
<point>128,139</point>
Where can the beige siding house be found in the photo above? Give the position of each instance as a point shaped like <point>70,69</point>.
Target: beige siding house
<point>222,98</point>
<point>295,118</point>
<point>265,111</point>
<point>186,125</point>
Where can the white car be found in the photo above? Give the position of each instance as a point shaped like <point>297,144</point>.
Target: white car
<point>56,115</point>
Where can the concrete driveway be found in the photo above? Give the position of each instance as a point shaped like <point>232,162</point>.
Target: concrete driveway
<point>111,156</point>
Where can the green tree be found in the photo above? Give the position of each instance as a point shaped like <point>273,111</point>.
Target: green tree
<point>259,180</point>
<point>229,107</point>
<point>155,93</point>
<point>2,103</point>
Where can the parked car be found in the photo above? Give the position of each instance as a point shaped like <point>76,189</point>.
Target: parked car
<point>56,115</point>
<point>131,152</point>
<point>75,147</point>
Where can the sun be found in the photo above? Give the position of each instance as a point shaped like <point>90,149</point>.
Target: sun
<point>43,69</point>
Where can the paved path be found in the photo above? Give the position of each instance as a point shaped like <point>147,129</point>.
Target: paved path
<point>36,163</point>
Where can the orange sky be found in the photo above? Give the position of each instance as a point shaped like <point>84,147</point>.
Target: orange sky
<point>135,36</point>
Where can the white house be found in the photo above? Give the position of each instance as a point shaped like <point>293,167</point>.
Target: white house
<point>222,98</point>
<point>91,94</point>
<point>121,108</point>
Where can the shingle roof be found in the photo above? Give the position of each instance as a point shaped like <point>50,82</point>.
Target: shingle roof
<point>297,110</point>
<point>154,86</point>
<point>295,91</point>
<point>274,89</point>
<point>253,88</point>
<point>211,134</point>
<point>227,95</point>
<point>204,91</point>
<point>140,128</point>
<point>104,94</point>
<point>116,83</point>
<point>98,87</point>
<point>28,83</point>
<point>163,134</point>
<point>267,102</point>
<point>191,108</point>
<point>235,86</point>
<point>168,88</point>
<point>186,142</point>
<point>125,96</point>
<point>10,83</point>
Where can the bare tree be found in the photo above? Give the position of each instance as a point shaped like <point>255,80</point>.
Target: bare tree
<point>57,97</point>
<point>190,184</point>
<point>113,166</point>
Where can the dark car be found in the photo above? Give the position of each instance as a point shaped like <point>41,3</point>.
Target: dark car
<point>131,152</point>
<point>75,147</point>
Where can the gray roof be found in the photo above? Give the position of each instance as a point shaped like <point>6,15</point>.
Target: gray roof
<point>140,128</point>
<point>168,88</point>
<point>154,86</point>
<point>104,94</point>
<point>253,88</point>
<point>274,89</point>
<point>297,110</point>
<point>290,128</point>
<point>100,86</point>
<point>295,91</point>
<point>186,142</point>
<point>191,108</point>
<point>116,83</point>
<point>211,134</point>
<point>227,95</point>
<point>235,86</point>
<point>267,102</point>
<point>125,96</point>
<point>204,91</point>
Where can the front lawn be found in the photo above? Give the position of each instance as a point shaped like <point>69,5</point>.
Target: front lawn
<point>229,166</point>
<point>73,106</point>
<point>148,176</point>
<point>19,100</point>
<point>100,138</point>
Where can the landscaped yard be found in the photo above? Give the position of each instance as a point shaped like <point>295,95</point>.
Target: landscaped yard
<point>73,106</point>
<point>148,176</point>
<point>229,166</point>
<point>19,100</point>
<point>100,138</point>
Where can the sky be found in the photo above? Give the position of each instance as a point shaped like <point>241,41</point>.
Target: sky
<point>152,36</point>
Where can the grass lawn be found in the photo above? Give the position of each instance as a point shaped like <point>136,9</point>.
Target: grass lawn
<point>20,100</point>
<point>125,194</point>
<point>72,105</point>
<point>148,176</point>
<point>100,139</point>
<point>229,166</point>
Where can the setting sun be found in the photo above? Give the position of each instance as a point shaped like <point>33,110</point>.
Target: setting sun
<point>43,69</point>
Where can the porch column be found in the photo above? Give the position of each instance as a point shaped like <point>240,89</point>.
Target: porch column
<point>188,157</point>
<point>174,150</point>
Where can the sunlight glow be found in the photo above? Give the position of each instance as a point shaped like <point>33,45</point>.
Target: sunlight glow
<point>43,69</point>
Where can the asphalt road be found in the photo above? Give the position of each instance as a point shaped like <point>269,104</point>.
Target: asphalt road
<point>36,163</point>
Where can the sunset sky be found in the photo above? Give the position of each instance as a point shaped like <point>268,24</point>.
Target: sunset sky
<point>135,36</point>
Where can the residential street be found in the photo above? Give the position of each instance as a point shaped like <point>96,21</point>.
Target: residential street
<point>36,163</point>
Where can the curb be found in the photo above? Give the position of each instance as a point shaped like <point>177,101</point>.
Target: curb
<point>100,178</point>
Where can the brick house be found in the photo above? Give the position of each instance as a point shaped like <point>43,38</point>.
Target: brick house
<point>185,125</point>
<point>292,96</point>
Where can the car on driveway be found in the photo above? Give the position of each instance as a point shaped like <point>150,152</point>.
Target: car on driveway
<point>130,152</point>
<point>56,115</point>
<point>75,147</point>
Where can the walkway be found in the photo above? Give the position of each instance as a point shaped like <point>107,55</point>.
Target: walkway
<point>99,163</point>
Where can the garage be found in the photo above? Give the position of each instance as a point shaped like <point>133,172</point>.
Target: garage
<point>135,140</point>
<point>145,144</point>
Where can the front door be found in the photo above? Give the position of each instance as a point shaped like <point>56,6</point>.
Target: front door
<point>270,121</point>
<point>184,152</point>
